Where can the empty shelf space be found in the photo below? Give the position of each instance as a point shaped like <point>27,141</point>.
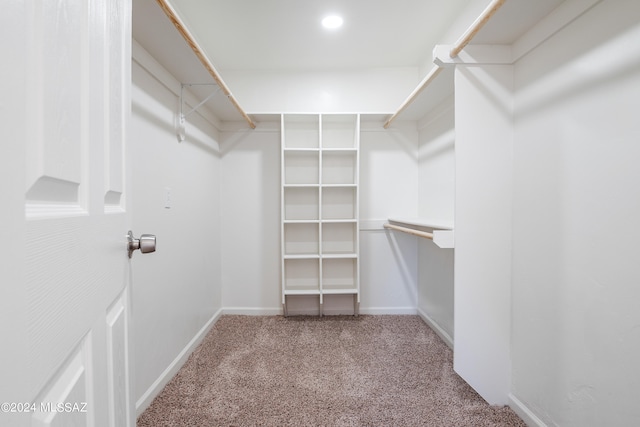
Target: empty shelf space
<point>301,167</point>
<point>339,167</point>
<point>301,203</point>
<point>339,203</point>
<point>301,131</point>
<point>339,130</point>
<point>301,239</point>
<point>339,274</point>
<point>339,238</point>
<point>301,275</point>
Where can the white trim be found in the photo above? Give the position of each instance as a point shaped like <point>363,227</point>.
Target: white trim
<point>145,400</point>
<point>448,340</point>
<point>525,413</point>
<point>252,311</point>
<point>403,311</point>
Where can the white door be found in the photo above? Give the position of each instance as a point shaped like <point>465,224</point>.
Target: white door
<point>65,277</point>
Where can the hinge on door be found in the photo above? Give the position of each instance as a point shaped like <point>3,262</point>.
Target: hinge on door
<point>182,116</point>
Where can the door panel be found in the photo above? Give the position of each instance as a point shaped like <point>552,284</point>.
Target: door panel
<point>72,384</point>
<point>73,267</point>
<point>117,362</point>
<point>55,106</point>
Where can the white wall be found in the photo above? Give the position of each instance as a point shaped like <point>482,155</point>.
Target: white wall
<point>250,200</point>
<point>436,160</point>
<point>576,258</point>
<point>176,290</point>
<point>251,216</point>
<point>388,187</point>
<point>361,91</point>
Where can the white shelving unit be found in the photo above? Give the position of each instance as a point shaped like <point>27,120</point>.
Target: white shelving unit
<point>320,161</point>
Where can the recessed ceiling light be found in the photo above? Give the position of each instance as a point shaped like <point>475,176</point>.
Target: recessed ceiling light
<point>332,22</point>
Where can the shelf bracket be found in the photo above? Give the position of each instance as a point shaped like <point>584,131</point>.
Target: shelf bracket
<point>182,116</point>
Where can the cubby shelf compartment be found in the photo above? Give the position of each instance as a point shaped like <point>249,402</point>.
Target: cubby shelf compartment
<point>339,167</point>
<point>319,204</point>
<point>301,275</point>
<point>339,275</point>
<point>301,203</point>
<point>339,202</point>
<point>301,167</point>
<point>340,131</point>
<point>339,238</point>
<point>300,131</point>
<point>301,239</point>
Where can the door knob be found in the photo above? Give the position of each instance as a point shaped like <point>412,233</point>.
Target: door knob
<point>146,243</point>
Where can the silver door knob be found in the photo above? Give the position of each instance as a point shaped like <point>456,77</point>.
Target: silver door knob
<point>146,243</point>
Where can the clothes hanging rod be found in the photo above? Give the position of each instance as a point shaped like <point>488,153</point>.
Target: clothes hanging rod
<point>173,17</point>
<point>464,40</point>
<point>410,231</point>
<point>477,25</point>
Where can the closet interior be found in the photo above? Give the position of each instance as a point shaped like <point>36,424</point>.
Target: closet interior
<point>436,190</point>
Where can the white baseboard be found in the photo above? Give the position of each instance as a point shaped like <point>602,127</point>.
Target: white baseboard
<point>436,328</point>
<point>249,311</point>
<point>402,311</point>
<point>525,413</point>
<point>166,376</point>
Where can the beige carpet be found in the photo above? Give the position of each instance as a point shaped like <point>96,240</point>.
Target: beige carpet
<point>331,371</point>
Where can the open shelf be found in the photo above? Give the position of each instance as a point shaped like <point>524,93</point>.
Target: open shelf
<point>301,239</point>
<point>301,275</point>
<point>301,203</point>
<point>339,167</point>
<point>339,275</point>
<point>339,238</point>
<point>339,130</point>
<point>301,131</point>
<point>339,203</point>
<point>301,167</point>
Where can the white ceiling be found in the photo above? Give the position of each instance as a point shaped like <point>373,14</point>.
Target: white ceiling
<point>286,35</point>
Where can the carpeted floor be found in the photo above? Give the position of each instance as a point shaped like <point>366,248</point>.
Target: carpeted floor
<point>330,371</point>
